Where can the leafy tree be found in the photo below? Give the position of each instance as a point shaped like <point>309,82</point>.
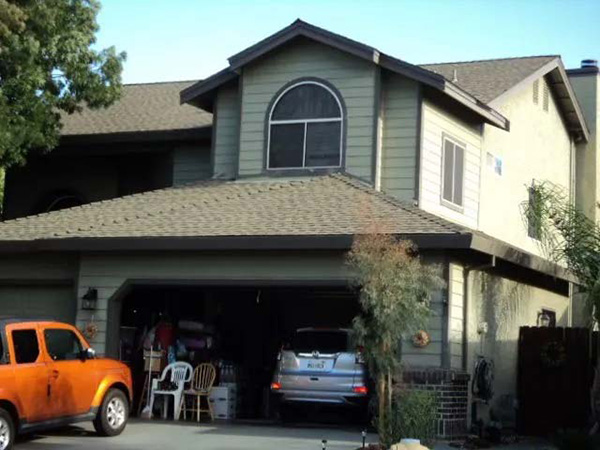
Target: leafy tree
<point>569,237</point>
<point>48,67</point>
<point>395,291</point>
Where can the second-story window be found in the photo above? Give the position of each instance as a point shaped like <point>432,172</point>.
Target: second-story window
<point>453,164</point>
<point>305,128</point>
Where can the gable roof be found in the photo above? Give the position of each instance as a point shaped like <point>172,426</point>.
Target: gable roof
<point>488,79</point>
<point>145,107</point>
<point>494,80</point>
<point>321,212</point>
<point>194,93</point>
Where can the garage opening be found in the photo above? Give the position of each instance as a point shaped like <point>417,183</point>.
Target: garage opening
<point>238,329</point>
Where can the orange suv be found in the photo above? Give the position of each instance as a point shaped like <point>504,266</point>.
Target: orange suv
<point>50,376</point>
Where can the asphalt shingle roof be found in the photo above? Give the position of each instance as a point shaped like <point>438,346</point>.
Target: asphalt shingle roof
<point>142,107</point>
<point>488,79</point>
<point>325,205</point>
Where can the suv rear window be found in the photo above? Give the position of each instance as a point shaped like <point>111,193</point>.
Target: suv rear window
<point>326,341</point>
<point>26,346</point>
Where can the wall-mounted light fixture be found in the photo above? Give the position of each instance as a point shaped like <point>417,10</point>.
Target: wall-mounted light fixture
<point>90,299</point>
<point>543,319</point>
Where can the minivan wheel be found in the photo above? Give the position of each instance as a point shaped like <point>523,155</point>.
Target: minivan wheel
<point>113,414</point>
<point>7,430</point>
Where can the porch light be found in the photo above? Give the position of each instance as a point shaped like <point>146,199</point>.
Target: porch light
<point>90,299</point>
<point>543,319</point>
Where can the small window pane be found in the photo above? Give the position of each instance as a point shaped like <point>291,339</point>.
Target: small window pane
<point>459,154</point>
<point>307,101</point>
<point>448,168</point>
<point>63,345</point>
<point>323,144</point>
<point>26,346</point>
<point>287,145</point>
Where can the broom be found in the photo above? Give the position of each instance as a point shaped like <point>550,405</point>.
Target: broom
<point>147,412</point>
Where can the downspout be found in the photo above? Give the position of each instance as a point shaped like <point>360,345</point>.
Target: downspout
<point>466,304</point>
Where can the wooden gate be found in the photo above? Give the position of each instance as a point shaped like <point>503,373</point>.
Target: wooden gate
<point>555,373</point>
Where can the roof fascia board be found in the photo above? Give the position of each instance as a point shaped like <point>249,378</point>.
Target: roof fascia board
<point>202,87</point>
<point>185,134</point>
<point>466,99</point>
<point>555,64</point>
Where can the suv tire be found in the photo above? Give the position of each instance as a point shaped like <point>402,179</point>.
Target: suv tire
<point>113,414</point>
<point>7,430</point>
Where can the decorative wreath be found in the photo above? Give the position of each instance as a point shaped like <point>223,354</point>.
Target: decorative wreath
<point>90,331</point>
<point>421,339</point>
<point>553,354</point>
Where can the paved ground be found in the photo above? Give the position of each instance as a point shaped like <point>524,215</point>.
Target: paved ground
<point>158,435</point>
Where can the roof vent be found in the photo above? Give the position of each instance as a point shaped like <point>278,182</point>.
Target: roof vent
<point>455,76</point>
<point>585,63</point>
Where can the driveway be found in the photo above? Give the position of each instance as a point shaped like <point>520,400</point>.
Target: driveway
<point>167,435</point>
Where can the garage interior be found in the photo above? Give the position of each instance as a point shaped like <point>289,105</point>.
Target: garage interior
<point>243,329</point>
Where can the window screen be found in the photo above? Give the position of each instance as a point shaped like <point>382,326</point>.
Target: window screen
<point>63,345</point>
<point>453,172</point>
<point>305,129</point>
<point>26,346</point>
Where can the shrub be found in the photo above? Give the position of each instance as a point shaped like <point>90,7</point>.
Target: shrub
<point>415,414</point>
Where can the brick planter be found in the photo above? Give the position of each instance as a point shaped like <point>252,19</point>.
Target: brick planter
<point>452,388</point>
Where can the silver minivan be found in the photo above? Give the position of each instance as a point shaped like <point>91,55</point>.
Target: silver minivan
<point>320,365</point>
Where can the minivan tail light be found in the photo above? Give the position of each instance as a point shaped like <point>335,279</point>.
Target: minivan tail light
<point>275,386</point>
<point>360,390</point>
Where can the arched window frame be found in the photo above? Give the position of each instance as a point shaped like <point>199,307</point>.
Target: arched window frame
<point>270,122</point>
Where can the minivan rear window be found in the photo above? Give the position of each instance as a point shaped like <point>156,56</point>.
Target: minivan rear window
<point>322,341</point>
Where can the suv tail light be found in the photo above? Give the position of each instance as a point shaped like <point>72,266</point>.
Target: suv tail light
<point>359,355</point>
<point>275,386</point>
<point>360,390</point>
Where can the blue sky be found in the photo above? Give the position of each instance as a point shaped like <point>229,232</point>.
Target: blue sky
<point>190,39</point>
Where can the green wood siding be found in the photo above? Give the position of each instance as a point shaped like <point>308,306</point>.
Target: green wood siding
<point>352,77</point>
<point>191,163</point>
<point>227,132</point>
<point>400,136</point>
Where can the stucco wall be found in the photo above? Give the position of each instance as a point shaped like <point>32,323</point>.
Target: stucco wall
<point>400,110</point>
<point>437,123</point>
<point>536,148</point>
<point>505,305</point>
<point>352,77</point>
<point>587,90</point>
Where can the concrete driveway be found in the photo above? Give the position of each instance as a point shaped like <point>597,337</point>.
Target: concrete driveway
<point>167,435</point>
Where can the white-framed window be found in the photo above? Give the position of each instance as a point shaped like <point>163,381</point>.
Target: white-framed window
<point>494,163</point>
<point>305,129</point>
<point>453,168</point>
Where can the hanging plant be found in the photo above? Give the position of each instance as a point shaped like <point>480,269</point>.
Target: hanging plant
<point>553,355</point>
<point>421,339</point>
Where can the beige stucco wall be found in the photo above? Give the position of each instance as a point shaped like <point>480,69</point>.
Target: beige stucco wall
<point>505,306</point>
<point>537,147</point>
<point>436,123</point>
<point>353,77</point>
<point>587,90</point>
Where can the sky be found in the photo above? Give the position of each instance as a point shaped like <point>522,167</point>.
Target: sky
<point>169,40</point>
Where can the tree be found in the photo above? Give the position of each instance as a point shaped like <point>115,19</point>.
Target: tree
<point>569,237</point>
<point>395,291</point>
<point>48,67</point>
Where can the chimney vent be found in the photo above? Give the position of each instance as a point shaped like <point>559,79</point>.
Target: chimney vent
<point>586,63</point>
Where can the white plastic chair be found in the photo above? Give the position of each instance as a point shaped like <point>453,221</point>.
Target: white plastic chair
<point>181,373</point>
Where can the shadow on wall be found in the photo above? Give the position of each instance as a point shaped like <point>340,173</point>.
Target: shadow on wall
<point>505,306</point>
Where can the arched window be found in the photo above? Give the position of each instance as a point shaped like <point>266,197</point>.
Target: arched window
<point>305,128</point>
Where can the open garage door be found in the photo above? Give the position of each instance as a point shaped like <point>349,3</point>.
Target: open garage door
<point>52,302</point>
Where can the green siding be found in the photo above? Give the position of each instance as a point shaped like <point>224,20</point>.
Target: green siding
<point>400,136</point>
<point>226,133</point>
<point>352,77</point>
<point>191,163</point>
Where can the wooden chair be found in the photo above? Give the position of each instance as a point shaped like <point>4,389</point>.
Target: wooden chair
<point>202,383</point>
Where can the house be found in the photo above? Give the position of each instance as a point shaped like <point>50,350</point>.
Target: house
<point>315,138</point>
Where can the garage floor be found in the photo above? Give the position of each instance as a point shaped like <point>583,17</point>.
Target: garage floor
<point>166,435</point>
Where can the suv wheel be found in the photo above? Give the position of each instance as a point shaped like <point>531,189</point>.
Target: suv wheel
<point>113,414</point>
<point>7,430</point>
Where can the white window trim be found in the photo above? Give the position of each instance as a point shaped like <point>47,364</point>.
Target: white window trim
<point>443,201</point>
<point>305,122</point>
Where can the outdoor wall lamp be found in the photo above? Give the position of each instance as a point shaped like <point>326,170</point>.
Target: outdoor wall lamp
<point>543,319</point>
<point>90,299</point>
